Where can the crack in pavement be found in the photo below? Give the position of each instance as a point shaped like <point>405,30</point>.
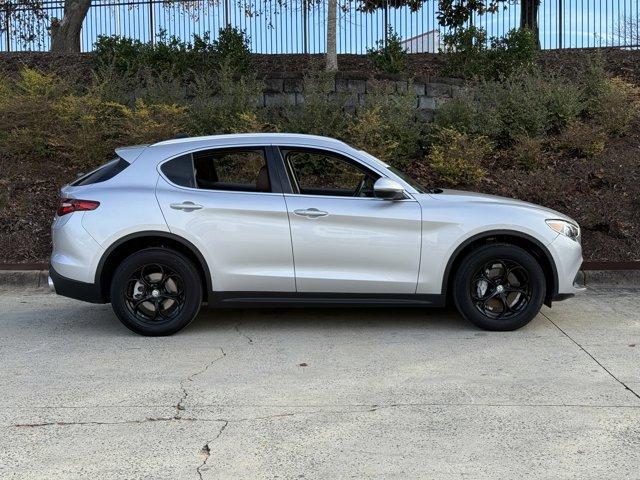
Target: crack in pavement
<point>93,422</point>
<point>180,405</point>
<point>592,357</point>
<point>206,450</point>
<point>237,327</point>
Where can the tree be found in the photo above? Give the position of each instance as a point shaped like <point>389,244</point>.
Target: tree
<point>332,48</point>
<point>529,16</point>
<point>455,13</point>
<point>65,33</point>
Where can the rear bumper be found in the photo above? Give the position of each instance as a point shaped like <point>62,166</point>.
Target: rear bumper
<point>87,292</point>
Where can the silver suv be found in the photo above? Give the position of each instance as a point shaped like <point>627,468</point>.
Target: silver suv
<point>299,220</point>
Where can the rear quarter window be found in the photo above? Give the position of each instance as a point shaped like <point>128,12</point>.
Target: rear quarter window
<point>180,171</point>
<point>103,173</point>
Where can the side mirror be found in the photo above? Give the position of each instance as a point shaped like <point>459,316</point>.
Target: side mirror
<point>388,189</point>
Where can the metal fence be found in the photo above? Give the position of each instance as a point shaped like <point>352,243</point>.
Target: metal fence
<point>299,26</point>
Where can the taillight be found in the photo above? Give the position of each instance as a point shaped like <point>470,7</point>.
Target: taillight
<point>70,205</point>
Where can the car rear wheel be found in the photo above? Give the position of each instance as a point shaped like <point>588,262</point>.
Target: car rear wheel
<point>499,287</point>
<point>156,292</point>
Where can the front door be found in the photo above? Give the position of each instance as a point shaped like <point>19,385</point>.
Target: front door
<point>345,240</point>
<point>223,201</point>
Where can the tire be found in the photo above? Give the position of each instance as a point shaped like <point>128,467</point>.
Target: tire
<point>499,287</point>
<point>156,292</point>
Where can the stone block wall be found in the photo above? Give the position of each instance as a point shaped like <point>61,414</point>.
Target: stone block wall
<point>286,89</point>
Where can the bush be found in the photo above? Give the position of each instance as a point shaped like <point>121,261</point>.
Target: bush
<point>128,58</point>
<point>231,49</point>
<point>223,104</point>
<point>527,152</point>
<point>322,113</point>
<point>582,139</point>
<point>616,106</point>
<point>387,127</point>
<point>467,54</point>
<point>457,157</point>
<point>531,104</point>
<point>44,119</point>
<point>390,58</point>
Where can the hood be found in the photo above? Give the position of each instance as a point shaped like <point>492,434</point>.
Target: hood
<point>479,198</point>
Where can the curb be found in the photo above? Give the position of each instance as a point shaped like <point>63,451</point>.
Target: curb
<point>24,278</point>
<point>37,279</point>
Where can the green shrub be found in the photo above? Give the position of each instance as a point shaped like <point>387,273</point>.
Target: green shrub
<point>231,49</point>
<point>322,112</point>
<point>467,55</point>
<point>583,139</point>
<point>389,58</point>
<point>457,157</point>
<point>616,106</point>
<point>527,152</point>
<point>386,126</point>
<point>224,103</point>
<point>529,104</point>
<point>169,55</point>
<point>44,119</point>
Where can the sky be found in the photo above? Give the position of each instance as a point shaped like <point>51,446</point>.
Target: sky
<point>583,23</point>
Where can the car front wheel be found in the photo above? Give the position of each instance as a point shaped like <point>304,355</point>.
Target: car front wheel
<point>156,292</point>
<point>499,287</point>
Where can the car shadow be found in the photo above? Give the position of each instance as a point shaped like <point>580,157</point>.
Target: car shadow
<point>100,320</point>
<point>314,319</point>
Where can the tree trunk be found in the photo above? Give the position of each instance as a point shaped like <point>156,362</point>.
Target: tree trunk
<point>65,33</point>
<point>332,50</point>
<point>529,16</point>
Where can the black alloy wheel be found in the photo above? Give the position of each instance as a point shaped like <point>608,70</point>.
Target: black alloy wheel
<point>156,291</point>
<point>499,286</point>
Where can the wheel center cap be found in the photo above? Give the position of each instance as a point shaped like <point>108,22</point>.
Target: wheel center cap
<point>155,293</point>
<point>500,289</point>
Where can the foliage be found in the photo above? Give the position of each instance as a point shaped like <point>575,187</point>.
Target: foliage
<point>457,157</point>
<point>615,106</point>
<point>387,127</point>
<point>528,152</point>
<point>232,49</point>
<point>41,117</point>
<point>583,139</point>
<point>224,104</point>
<point>389,58</point>
<point>467,54</point>
<point>532,104</point>
<point>455,13</point>
<point>323,112</point>
<point>169,55</point>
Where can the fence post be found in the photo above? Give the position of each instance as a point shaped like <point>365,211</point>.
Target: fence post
<point>152,27</point>
<point>7,24</point>
<point>560,24</point>
<point>305,21</point>
<point>386,20</point>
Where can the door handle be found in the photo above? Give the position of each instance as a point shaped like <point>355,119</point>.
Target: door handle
<point>310,213</point>
<point>186,206</point>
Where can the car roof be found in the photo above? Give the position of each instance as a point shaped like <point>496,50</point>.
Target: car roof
<point>177,146</point>
<point>243,138</point>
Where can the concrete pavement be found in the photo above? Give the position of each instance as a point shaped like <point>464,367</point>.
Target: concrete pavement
<point>320,394</point>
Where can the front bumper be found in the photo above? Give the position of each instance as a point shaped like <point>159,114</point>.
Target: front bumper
<point>567,256</point>
<point>87,292</point>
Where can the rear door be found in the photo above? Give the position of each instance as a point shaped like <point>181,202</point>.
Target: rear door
<point>345,240</point>
<point>228,203</point>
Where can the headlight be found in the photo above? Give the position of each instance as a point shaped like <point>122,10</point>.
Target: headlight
<point>568,229</point>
